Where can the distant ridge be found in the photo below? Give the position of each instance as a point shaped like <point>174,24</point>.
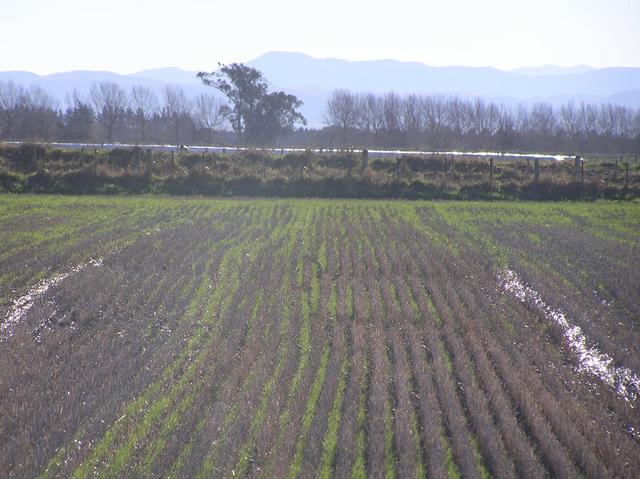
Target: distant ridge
<point>298,70</point>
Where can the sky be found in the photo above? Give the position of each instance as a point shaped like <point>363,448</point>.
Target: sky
<point>125,36</point>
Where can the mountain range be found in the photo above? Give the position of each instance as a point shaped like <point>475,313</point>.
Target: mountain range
<point>312,79</point>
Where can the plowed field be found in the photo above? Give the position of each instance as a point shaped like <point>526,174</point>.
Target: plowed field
<point>152,337</point>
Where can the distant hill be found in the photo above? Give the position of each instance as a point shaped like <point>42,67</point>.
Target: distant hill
<point>298,70</point>
<point>312,79</point>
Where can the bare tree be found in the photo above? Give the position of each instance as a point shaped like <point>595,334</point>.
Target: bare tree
<point>607,119</point>
<point>413,118</point>
<point>372,114</point>
<point>11,100</point>
<point>145,103</point>
<point>342,112</point>
<point>177,107</point>
<point>625,122</point>
<point>543,119</point>
<point>458,114</point>
<point>588,118</point>
<point>392,114</point>
<point>485,119</point>
<point>507,133</point>
<point>110,102</point>
<point>39,99</point>
<point>435,113</point>
<point>522,120</point>
<point>570,118</point>
<point>40,116</point>
<point>209,113</point>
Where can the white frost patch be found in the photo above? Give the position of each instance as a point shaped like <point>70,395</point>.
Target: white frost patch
<point>24,303</point>
<point>622,380</point>
<point>634,432</point>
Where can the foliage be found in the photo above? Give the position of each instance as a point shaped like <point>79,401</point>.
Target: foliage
<point>256,115</point>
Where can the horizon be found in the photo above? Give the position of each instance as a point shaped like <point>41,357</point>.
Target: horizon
<point>373,60</point>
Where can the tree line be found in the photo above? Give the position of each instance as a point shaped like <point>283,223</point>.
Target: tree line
<point>435,123</point>
<point>254,116</point>
<point>109,113</point>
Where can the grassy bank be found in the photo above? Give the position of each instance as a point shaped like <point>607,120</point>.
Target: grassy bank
<point>30,168</point>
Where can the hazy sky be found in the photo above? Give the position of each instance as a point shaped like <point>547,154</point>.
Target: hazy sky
<point>46,36</point>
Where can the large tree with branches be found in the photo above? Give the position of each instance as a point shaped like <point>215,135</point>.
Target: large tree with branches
<point>256,115</point>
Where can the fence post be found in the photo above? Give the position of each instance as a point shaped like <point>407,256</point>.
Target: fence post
<point>349,163</point>
<point>302,163</point>
<point>626,174</point>
<point>148,162</point>
<point>365,159</point>
<point>308,158</point>
<point>536,167</point>
<point>491,169</point>
<point>93,166</point>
